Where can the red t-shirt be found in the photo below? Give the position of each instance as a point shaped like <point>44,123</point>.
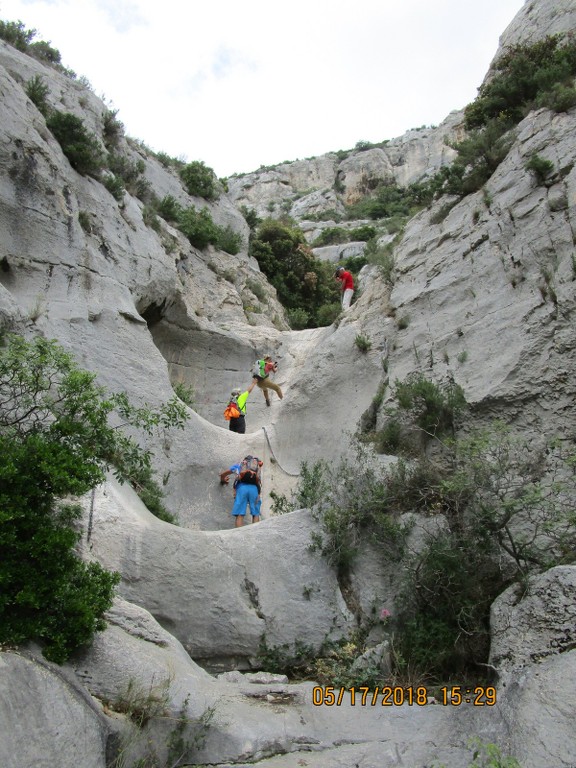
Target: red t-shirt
<point>346,279</point>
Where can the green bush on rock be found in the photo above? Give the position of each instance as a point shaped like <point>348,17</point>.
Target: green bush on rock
<point>56,442</point>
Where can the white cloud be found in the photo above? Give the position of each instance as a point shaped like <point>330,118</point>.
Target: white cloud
<point>238,85</point>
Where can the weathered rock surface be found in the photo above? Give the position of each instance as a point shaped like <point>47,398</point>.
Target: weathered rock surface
<point>219,593</point>
<point>315,186</point>
<point>47,719</point>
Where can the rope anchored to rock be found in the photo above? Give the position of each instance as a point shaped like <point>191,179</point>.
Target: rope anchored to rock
<point>291,474</point>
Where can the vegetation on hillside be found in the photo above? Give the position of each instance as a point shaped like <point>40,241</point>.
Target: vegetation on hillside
<point>59,435</point>
<point>493,519</point>
<point>305,285</point>
<point>526,76</point>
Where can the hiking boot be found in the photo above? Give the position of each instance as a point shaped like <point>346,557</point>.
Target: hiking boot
<point>268,403</point>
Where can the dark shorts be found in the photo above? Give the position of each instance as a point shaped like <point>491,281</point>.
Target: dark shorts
<point>238,425</point>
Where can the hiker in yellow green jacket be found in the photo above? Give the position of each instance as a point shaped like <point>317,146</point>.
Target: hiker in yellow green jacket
<point>239,398</point>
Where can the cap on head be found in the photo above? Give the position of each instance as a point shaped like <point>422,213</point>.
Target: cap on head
<point>267,357</point>
<point>340,269</point>
<point>236,392</point>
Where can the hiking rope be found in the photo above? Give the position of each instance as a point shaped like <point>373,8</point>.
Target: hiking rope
<point>291,474</point>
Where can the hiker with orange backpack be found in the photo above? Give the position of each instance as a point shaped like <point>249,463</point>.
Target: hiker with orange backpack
<point>235,411</point>
<point>247,490</point>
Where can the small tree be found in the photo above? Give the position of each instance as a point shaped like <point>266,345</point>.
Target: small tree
<point>37,91</point>
<point>81,147</point>
<point>200,180</point>
<point>56,441</point>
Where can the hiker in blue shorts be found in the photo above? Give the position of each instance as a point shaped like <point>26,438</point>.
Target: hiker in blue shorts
<point>247,490</point>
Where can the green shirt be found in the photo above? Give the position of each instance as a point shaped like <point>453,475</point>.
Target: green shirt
<point>241,401</point>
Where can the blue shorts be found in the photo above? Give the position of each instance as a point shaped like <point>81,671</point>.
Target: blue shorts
<point>246,494</point>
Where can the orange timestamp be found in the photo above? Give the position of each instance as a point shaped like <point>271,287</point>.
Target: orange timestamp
<point>398,696</point>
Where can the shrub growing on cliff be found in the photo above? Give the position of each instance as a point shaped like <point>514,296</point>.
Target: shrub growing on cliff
<point>81,147</point>
<point>305,285</point>
<point>540,167</point>
<point>201,230</point>
<point>200,180</point>
<point>37,91</point>
<point>15,33</point>
<point>525,75</point>
<point>56,442</point>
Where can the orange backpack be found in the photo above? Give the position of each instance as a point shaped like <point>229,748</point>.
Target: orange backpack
<point>232,411</point>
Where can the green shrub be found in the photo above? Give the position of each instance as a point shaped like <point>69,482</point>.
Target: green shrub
<point>55,443</point>
<point>390,200</point>
<point>85,221</point>
<point>303,283</point>
<point>298,318</point>
<point>115,186</point>
<point>328,313</point>
<point>355,263</point>
<point>186,393</point>
<point>200,180</point>
<point>251,217</point>
<point>489,756</point>
<point>540,167</point>
<point>15,33</point>
<point>142,703</point>
<point>150,493</point>
<point>363,343</point>
<point>45,52</point>
<point>169,208</point>
<point>479,155</point>
<point>129,171</point>
<point>389,438</point>
<point>434,408</point>
<point>382,257</point>
<point>197,226</point>
<point>79,145</point>
<point>201,230</point>
<point>113,129</point>
<point>228,240</point>
<point>331,236</point>
<point>560,98</point>
<point>257,289</point>
<point>37,91</point>
<point>365,232</point>
<point>525,74</point>
<point>150,219</point>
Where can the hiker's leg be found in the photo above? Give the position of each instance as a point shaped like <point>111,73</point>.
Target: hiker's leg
<point>261,385</point>
<point>276,389</point>
<point>347,298</point>
<point>238,425</point>
<point>256,514</point>
<point>269,384</point>
<point>252,496</point>
<point>239,508</point>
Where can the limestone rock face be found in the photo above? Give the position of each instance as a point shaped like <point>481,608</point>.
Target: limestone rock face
<point>534,651</point>
<point>219,593</point>
<point>46,718</point>
<point>536,20</point>
<point>529,628</point>
<point>327,183</point>
<point>498,271</point>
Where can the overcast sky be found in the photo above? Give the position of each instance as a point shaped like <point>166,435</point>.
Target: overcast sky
<point>239,84</point>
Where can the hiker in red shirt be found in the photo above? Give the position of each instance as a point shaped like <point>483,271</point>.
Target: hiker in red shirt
<point>347,282</point>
